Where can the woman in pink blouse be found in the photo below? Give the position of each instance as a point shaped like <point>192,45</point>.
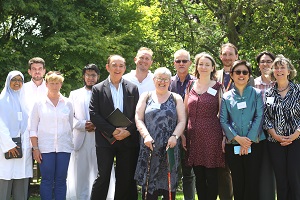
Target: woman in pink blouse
<point>51,137</point>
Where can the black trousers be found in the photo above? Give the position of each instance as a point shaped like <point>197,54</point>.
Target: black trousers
<point>286,164</point>
<point>245,171</point>
<point>267,183</point>
<point>126,160</point>
<point>225,183</point>
<point>206,182</point>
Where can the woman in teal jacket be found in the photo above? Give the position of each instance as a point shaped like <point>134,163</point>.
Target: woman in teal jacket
<point>241,118</point>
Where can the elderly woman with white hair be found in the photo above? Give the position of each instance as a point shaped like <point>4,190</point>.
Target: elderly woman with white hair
<point>15,157</point>
<point>160,119</point>
<point>51,123</point>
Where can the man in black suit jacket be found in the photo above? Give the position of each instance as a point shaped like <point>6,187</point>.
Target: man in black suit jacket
<point>112,93</point>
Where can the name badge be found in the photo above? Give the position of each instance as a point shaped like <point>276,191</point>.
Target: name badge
<point>212,91</point>
<point>241,105</point>
<point>20,117</point>
<point>270,100</point>
<point>155,106</point>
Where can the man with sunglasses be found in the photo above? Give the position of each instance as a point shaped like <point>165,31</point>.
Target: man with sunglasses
<point>142,77</point>
<point>178,85</point>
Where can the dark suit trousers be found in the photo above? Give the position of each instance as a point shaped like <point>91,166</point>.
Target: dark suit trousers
<point>245,171</point>
<point>126,159</point>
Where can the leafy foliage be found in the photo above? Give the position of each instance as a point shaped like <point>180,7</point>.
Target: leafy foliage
<point>69,34</point>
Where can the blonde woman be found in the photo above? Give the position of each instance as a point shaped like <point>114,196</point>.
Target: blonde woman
<point>51,123</point>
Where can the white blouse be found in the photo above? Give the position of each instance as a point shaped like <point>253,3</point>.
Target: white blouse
<point>52,125</point>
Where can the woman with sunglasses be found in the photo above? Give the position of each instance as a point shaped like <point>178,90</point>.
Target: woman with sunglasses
<point>15,171</point>
<point>51,123</point>
<point>241,118</point>
<point>282,122</point>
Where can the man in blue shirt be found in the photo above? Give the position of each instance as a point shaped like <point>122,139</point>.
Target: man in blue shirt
<point>178,85</point>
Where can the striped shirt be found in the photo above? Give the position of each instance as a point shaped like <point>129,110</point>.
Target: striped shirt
<point>282,114</point>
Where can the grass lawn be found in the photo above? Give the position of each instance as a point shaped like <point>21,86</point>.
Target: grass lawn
<point>179,196</point>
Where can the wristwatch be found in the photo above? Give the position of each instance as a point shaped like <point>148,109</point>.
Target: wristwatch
<point>35,148</point>
<point>175,136</point>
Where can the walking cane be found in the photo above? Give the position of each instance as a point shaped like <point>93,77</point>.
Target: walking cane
<point>148,171</point>
<point>171,162</point>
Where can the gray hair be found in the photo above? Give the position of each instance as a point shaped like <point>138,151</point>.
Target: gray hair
<point>182,52</point>
<point>280,60</point>
<point>163,70</point>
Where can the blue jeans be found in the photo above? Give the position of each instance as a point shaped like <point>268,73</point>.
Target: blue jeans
<point>54,168</point>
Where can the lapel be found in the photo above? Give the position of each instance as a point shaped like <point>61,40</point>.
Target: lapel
<point>107,92</point>
<point>125,95</point>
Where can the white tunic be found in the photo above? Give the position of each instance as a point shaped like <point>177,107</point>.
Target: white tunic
<point>83,168</point>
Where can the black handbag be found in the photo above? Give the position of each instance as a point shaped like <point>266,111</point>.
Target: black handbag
<point>17,141</point>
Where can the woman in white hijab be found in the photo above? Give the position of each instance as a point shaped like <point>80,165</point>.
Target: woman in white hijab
<point>15,172</point>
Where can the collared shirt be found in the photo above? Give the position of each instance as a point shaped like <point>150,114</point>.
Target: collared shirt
<point>258,83</point>
<point>282,114</point>
<point>32,93</point>
<point>180,87</point>
<point>145,86</point>
<point>117,94</point>
<point>242,114</point>
<point>52,125</point>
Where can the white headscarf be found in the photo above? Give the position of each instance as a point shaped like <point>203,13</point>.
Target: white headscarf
<point>11,107</point>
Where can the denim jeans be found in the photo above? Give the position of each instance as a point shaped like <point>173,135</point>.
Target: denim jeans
<point>54,168</point>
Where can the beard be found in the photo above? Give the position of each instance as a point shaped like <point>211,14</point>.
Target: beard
<point>89,87</point>
<point>37,78</point>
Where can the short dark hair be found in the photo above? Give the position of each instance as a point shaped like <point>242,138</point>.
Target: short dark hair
<point>241,62</point>
<point>229,45</point>
<point>91,67</point>
<point>272,56</point>
<point>115,55</point>
<point>36,60</point>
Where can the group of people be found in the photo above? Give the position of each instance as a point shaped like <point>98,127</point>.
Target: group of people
<point>226,133</point>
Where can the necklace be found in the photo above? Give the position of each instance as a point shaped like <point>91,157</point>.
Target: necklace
<point>283,89</point>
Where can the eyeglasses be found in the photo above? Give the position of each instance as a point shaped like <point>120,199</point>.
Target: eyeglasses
<point>17,80</point>
<point>183,61</point>
<point>266,61</point>
<point>166,80</point>
<point>238,72</point>
<point>90,75</point>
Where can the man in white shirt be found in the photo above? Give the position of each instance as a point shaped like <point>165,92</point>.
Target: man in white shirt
<point>36,87</point>
<point>142,77</point>
<point>83,162</point>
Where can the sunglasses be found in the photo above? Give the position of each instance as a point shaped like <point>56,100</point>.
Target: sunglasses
<point>179,61</point>
<point>238,72</point>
